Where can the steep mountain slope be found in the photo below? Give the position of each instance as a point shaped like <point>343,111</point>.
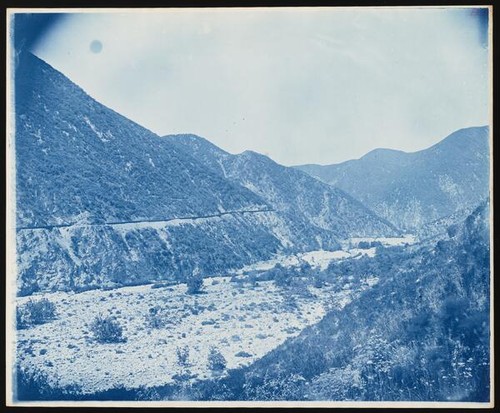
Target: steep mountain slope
<point>435,230</point>
<point>422,333</point>
<point>76,157</point>
<point>411,189</point>
<point>288,190</point>
<point>101,200</point>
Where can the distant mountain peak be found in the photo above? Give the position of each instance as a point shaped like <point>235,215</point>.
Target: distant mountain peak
<point>293,192</point>
<point>382,152</point>
<point>463,139</point>
<point>411,189</point>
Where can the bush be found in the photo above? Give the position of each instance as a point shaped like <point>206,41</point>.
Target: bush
<point>182,355</point>
<point>300,287</point>
<point>243,354</point>
<point>107,330</point>
<point>156,318</point>
<point>318,280</point>
<point>34,384</point>
<point>305,268</point>
<point>194,284</point>
<point>364,245</point>
<point>273,386</point>
<point>35,312</point>
<point>22,318</point>
<point>282,276</point>
<point>290,302</point>
<point>216,361</point>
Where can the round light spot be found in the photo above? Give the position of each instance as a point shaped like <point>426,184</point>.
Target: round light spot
<point>95,46</point>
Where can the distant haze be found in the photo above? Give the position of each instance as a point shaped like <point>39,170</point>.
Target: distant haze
<point>311,85</point>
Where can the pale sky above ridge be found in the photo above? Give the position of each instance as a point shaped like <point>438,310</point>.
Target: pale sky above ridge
<point>311,85</point>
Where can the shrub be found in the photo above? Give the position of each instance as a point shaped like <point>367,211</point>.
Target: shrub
<point>156,318</point>
<point>22,318</point>
<point>300,287</point>
<point>282,276</point>
<point>217,389</point>
<point>364,245</point>
<point>243,354</point>
<point>305,268</point>
<point>216,361</point>
<point>35,312</point>
<point>290,302</point>
<point>318,281</point>
<point>34,384</point>
<point>452,230</point>
<point>273,386</point>
<point>194,284</point>
<point>182,355</point>
<point>107,330</point>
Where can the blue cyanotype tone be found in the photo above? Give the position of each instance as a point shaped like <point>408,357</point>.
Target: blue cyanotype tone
<point>307,85</point>
<point>29,29</point>
<point>165,268</point>
<point>412,189</point>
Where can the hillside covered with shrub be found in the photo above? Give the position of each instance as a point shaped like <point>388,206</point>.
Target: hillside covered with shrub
<point>420,334</point>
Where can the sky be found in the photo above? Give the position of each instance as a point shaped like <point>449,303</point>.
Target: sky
<point>308,85</point>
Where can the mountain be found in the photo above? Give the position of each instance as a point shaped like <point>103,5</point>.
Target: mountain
<point>412,189</point>
<point>442,227</point>
<point>421,333</point>
<point>289,191</point>
<point>76,157</point>
<point>102,201</point>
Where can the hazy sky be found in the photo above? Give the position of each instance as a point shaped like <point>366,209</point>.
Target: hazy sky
<point>299,85</point>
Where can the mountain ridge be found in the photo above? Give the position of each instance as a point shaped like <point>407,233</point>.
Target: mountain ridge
<point>411,189</point>
<point>81,166</point>
<point>51,144</point>
<point>288,190</point>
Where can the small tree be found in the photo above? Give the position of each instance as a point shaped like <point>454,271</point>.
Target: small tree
<point>216,361</point>
<point>107,330</point>
<point>194,283</point>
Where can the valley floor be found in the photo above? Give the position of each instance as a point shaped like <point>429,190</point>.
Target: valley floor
<point>244,322</point>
